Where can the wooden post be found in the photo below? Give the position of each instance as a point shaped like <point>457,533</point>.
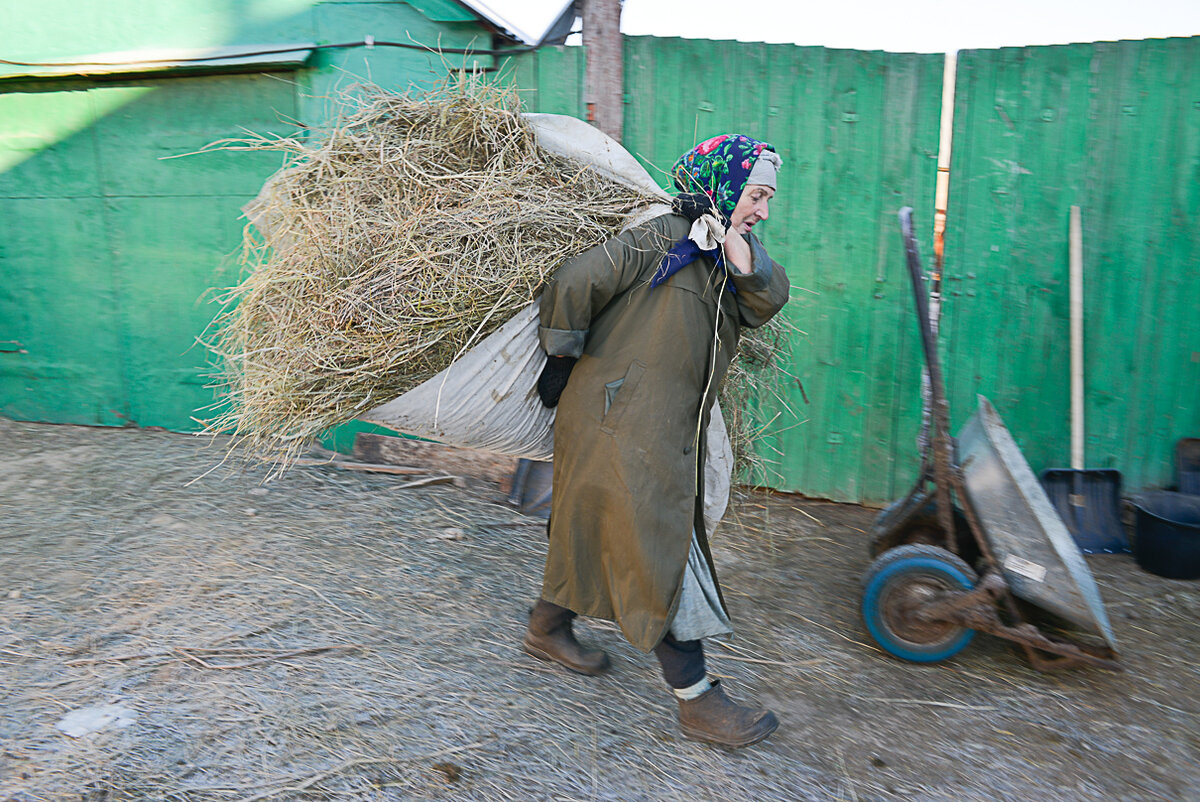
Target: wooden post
<point>604,81</point>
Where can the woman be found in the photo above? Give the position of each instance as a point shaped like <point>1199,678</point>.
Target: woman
<point>644,326</point>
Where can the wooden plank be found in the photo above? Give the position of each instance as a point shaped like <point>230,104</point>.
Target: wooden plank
<point>366,467</point>
<point>434,457</point>
<point>888,457</point>
<point>798,207</point>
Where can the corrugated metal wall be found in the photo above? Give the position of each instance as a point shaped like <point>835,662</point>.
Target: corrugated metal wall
<point>1114,128</point>
<point>858,132</point>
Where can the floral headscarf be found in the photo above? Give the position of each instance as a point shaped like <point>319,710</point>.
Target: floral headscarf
<point>719,168</point>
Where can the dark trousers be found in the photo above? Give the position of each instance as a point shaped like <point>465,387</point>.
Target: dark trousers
<point>682,661</point>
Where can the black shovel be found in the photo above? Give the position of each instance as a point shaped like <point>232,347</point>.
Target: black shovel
<point>1087,500</point>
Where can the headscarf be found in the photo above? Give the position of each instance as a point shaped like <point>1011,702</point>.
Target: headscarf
<point>718,167</point>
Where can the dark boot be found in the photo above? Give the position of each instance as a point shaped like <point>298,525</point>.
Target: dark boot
<point>715,718</point>
<point>549,637</point>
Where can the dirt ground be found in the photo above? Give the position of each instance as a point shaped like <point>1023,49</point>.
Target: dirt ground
<point>331,635</point>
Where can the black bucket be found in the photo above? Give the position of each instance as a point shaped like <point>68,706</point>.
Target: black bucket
<point>1187,465</point>
<point>1168,534</point>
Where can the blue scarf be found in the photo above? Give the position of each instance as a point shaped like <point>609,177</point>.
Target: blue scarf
<point>718,167</point>
<point>682,254</point>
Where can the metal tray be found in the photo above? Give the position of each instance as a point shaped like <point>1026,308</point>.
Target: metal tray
<point>1034,550</point>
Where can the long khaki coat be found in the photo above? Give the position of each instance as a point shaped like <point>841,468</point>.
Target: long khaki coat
<point>628,436</point>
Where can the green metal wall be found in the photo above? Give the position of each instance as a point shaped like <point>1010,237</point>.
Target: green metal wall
<point>1114,128</point>
<point>858,132</point>
<point>107,248</point>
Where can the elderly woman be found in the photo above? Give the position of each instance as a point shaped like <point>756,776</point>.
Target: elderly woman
<point>644,327</point>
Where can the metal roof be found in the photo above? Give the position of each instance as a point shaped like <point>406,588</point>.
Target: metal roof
<point>237,58</point>
<point>528,21</point>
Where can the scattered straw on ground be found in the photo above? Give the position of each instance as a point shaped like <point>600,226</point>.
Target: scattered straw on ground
<point>330,636</point>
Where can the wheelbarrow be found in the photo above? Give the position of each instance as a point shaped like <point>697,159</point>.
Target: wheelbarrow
<point>976,545</point>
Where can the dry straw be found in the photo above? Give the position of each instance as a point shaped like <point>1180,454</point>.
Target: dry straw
<point>387,246</point>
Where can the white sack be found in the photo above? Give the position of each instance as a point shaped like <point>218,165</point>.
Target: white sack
<point>488,399</point>
<point>584,143</point>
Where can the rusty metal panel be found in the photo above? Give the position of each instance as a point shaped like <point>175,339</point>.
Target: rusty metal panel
<point>1113,127</point>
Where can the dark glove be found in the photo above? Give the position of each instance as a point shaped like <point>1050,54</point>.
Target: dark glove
<point>694,204</point>
<point>553,379</point>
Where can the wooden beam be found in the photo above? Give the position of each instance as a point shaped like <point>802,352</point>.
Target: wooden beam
<point>419,456</point>
<point>604,79</point>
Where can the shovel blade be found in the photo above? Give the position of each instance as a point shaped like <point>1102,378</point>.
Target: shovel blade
<point>1089,503</point>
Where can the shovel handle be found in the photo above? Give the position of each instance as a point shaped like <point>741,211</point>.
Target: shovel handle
<point>1076,284</point>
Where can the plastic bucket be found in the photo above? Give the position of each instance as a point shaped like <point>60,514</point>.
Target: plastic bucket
<point>1167,527</point>
<point>1187,465</point>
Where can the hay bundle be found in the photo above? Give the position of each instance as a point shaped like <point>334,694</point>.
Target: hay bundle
<point>385,249</point>
<point>757,382</point>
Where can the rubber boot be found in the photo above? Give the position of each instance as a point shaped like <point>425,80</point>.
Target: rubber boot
<point>549,637</point>
<point>715,718</point>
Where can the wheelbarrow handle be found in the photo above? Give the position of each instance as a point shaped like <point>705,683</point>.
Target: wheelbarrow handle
<point>921,296</point>
<point>941,445</point>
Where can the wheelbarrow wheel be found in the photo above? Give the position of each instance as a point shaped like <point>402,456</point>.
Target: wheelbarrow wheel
<point>897,584</point>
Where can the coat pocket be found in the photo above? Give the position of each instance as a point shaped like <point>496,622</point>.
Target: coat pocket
<point>618,394</point>
<point>610,393</point>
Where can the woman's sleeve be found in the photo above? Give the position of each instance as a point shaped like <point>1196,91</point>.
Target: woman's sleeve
<point>584,284</point>
<point>763,291</point>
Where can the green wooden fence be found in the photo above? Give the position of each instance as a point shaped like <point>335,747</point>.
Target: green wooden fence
<point>1114,128</point>
<point>858,132</point>
<point>107,250</point>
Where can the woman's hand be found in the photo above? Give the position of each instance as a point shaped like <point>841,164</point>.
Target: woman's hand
<point>694,204</point>
<point>737,252</point>
<point>553,379</point>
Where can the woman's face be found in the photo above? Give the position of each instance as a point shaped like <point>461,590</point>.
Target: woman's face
<point>751,208</point>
